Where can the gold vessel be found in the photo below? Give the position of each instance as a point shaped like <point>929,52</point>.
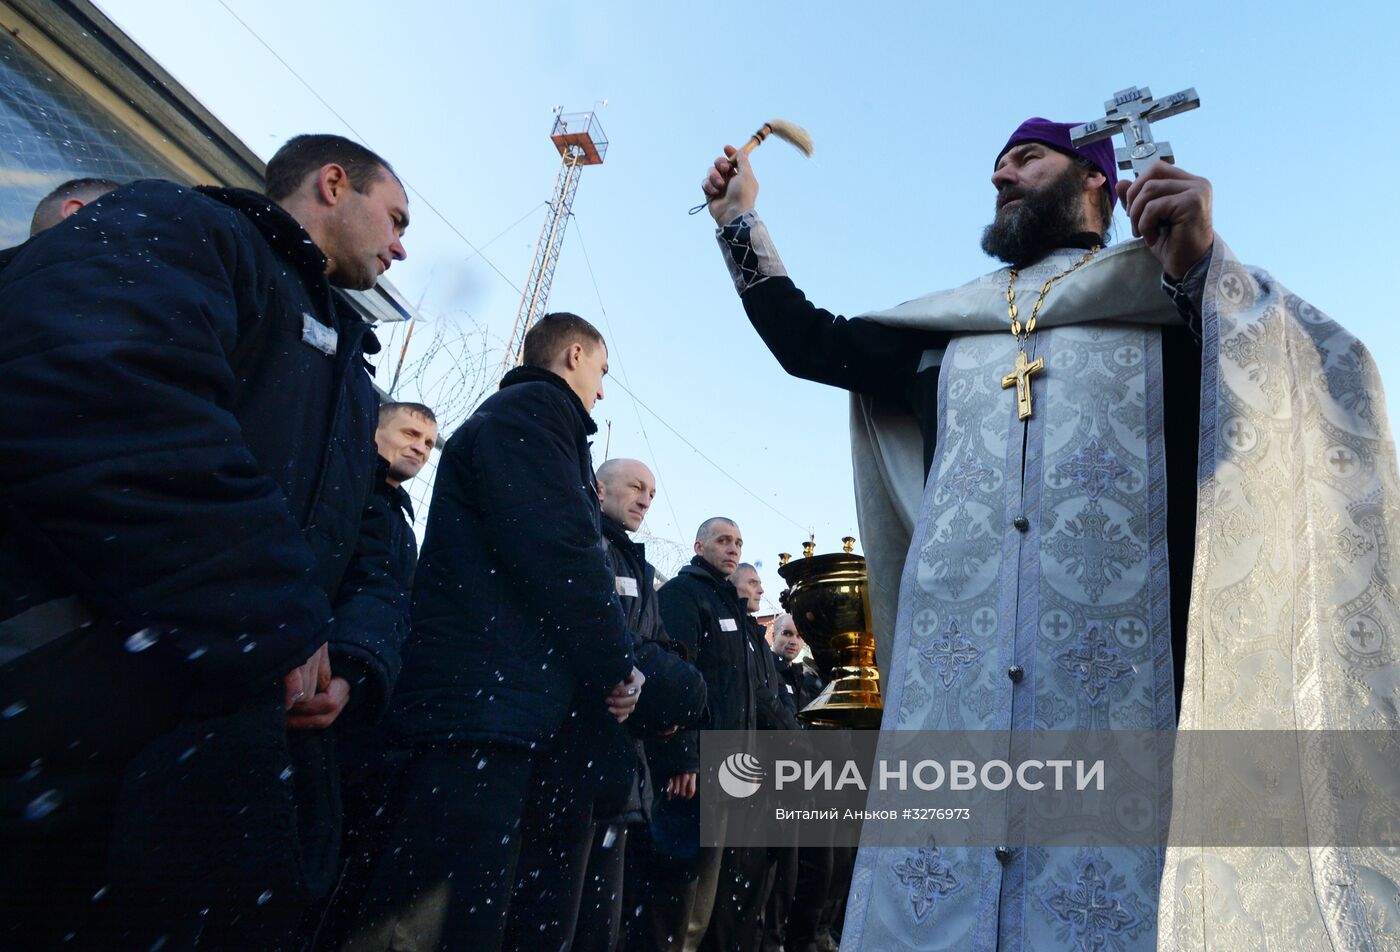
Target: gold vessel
<point>827,597</point>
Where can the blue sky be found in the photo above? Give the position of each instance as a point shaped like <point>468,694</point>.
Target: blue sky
<point>908,104</point>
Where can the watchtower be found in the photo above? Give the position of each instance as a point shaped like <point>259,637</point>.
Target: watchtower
<point>580,141</point>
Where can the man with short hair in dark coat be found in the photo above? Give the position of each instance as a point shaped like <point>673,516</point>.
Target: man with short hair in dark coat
<point>65,199</point>
<point>517,634</point>
<point>747,873</point>
<point>803,874</point>
<point>800,676</point>
<point>405,437</point>
<point>190,590</point>
<point>773,711</point>
<point>616,878</point>
<point>702,609</point>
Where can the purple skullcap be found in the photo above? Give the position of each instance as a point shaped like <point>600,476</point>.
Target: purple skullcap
<point>1056,136</point>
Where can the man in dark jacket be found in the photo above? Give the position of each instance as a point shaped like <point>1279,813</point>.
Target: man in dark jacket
<point>517,636</point>
<point>595,757</point>
<point>63,201</point>
<point>189,594</point>
<point>405,437</point>
<point>801,679</point>
<point>771,688</point>
<point>801,875</point>
<point>747,874</point>
<point>702,610</point>
<point>616,876</point>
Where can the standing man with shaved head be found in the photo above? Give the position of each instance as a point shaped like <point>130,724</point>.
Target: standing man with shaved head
<point>675,698</point>
<point>599,763</point>
<point>702,609</point>
<point>746,874</point>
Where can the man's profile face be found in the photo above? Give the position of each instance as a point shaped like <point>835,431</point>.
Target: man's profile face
<point>364,234</point>
<point>722,548</point>
<point>787,643</point>
<point>1039,205</point>
<point>587,378</point>
<point>750,588</point>
<point>405,440</point>
<point>628,494</point>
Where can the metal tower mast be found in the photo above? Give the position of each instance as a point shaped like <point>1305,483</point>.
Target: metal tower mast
<point>580,141</point>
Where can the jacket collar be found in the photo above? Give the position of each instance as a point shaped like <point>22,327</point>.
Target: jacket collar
<point>532,374</point>
<point>283,232</point>
<point>292,242</point>
<point>616,534</point>
<point>704,570</point>
<point>395,494</point>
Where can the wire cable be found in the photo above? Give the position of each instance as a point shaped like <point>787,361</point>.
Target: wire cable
<point>636,402</point>
<point>622,372</point>
<point>724,472</point>
<point>346,122</point>
<point>477,251</point>
<point>623,383</point>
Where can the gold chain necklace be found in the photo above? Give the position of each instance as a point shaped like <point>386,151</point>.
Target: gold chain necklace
<point>1020,378</point>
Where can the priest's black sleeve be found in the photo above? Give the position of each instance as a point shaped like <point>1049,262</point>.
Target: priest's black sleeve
<point>814,344</point>
<point>809,342</point>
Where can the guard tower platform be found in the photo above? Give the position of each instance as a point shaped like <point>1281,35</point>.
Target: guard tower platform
<point>580,135</point>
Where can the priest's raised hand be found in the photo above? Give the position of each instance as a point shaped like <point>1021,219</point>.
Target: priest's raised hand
<point>1170,209</point>
<point>730,187</point>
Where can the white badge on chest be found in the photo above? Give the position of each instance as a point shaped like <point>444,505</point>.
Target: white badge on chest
<point>728,624</point>
<point>626,586</point>
<point>318,335</point>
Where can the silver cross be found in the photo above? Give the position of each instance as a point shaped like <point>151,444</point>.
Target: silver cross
<point>1132,112</point>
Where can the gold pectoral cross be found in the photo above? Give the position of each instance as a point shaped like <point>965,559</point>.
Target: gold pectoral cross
<point>1020,378</point>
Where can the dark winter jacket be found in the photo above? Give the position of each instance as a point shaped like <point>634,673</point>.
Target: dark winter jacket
<point>8,254</point>
<point>205,457</point>
<point>403,544</point>
<point>186,456</point>
<point>674,693</point>
<point>635,580</point>
<point>514,611</point>
<point>701,609</point>
<point>774,713</point>
<point>801,682</point>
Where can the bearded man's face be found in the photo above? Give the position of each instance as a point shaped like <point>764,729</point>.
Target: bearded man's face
<point>1034,217</point>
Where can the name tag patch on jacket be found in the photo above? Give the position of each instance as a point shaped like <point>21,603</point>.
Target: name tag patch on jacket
<point>626,586</point>
<point>318,335</point>
<point>728,624</point>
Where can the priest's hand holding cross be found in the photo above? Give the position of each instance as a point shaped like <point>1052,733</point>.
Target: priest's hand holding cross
<point>1170,209</point>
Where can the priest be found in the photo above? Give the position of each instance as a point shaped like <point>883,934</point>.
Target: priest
<point>1126,488</point>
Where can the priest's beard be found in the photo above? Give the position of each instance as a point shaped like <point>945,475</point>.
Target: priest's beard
<point>1044,220</point>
